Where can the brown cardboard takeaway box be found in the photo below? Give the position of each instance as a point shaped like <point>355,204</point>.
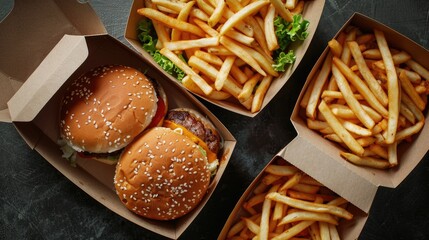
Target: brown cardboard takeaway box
<point>312,12</point>
<point>319,156</point>
<point>347,229</point>
<point>35,73</point>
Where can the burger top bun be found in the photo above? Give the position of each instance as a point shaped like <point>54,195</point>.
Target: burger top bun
<point>162,175</point>
<point>106,108</point>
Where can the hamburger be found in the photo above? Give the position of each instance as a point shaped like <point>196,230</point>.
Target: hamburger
<point>165,172</point>
<point>103,110</point>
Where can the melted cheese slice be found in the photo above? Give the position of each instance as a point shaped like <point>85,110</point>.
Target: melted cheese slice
<point>211,156</point>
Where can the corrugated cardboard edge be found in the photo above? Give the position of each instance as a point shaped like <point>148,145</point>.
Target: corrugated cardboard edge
<point>326,153</point>
<point>348,230</point>
<point>312,12</point>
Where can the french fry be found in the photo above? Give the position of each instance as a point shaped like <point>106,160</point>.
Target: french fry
<point>202,84</point>
<point>260,92</point>
<point>366,161</point>
<point>270,34</point>
<point>361,87</point>
<point>392,86</point>
<point>281,170</point>
<point>364,70</point>
<point>318,86</point>
<point>169,21</point>
<point>217,13</point>
<point>208,57</point>
<point>305,216</point>
<point>338,128</point>
<point>309,206</point>
<point>224,72</point>
<point>418,68</point>
<point>351,101</point>
<point>242,14</point>
<point>408,132</point>
<point>282,10</point>
<point>324,231</point>
<point>336,47</point>
<point>249,87</point>
<point>196,43</point>
<point>183,16</point>
<point>215,95</point>
<point>409,89</point>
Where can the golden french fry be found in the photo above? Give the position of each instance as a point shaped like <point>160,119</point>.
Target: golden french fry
<point>373,85</point>
<point>239,51</point>
<point>365,38</point>
<point>251,225</point>
<point>338,128</point>
<point>418,68</point>
<point>240,37</point>
<point>333,232</point>
<point>202,84</point>
<point>360,86</point>
<point>351,101</point>
<point>217,13</point>
<point>324,231</point>
<point>338,95</point>
<point>260,92</point>
<point>392,86</point>
<point>336,47</point>
<point>194,43</point>
<point>305,216</point>
<point>316,124</point>
<point>412,76</point>
<point>265,218</point>
<point>379,150</point>
<point>230,85</point>
<point>224,72</point>
<point>242,14</point>
<point>412,107</point>
<point>290,4</point>
<point>354,128</point>
<point>409,89</point>
<point>270,34</point>
<point>372,54</point>
<point>296,229</point>
<point>208,57</point>
<point>366,161</point>
<point>318,87</point>
<point>409,131</point>
<point>310,206</point>
<point>235,229</point>
<point>215,95</point>
<point>248,87</point>
<point>345,54</point>
<point>183,16</point>
<point>170,21</point>
<point>298,8</point>
<point>282,10</point>
<point>392,154</point>
<point>280,170</point>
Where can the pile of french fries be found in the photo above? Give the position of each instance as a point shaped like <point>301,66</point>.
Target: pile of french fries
<point>288,204</point>
<point>228,44</point>
<point>368,97</point>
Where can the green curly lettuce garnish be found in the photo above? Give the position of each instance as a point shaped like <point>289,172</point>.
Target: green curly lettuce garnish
<point>148,38</point>
<point>286,34</point>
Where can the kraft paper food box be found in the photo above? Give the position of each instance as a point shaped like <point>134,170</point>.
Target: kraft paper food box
<point>318,156</point>
<point>312,12</point>
<point>68,42</point>
<point>347,229</point>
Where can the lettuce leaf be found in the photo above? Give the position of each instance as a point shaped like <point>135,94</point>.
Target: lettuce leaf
<point>283,59</point>
<point>148,38</point>
<point>286,34</point>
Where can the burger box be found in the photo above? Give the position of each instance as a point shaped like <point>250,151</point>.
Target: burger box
<point>32,86</point>
<point>320,158</point>
<point>312,12</point>
<point>347,229</point>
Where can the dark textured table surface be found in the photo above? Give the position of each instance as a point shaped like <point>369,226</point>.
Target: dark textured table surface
<point>38,202</point>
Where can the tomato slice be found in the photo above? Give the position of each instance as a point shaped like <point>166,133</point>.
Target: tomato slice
<point>160,113</point>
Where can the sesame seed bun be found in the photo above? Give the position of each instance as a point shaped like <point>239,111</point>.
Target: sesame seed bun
<point>106,108</point>
<point>162,175</point>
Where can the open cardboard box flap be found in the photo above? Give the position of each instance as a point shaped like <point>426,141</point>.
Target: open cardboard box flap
<point>312,12</point>
<point>348,230</point>
<point>34,111</point>
<point>33,28</point>
<point>321,158</point>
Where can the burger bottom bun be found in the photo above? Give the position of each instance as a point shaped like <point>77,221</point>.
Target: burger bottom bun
<point>162,175</point>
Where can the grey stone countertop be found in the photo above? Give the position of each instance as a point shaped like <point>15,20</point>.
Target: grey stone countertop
<point>38,202</point>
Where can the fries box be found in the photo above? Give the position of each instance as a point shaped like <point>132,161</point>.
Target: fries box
<point>37,64</point>
<point>347,229</point>
<point>321,158</point>
<point>312,12</point>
